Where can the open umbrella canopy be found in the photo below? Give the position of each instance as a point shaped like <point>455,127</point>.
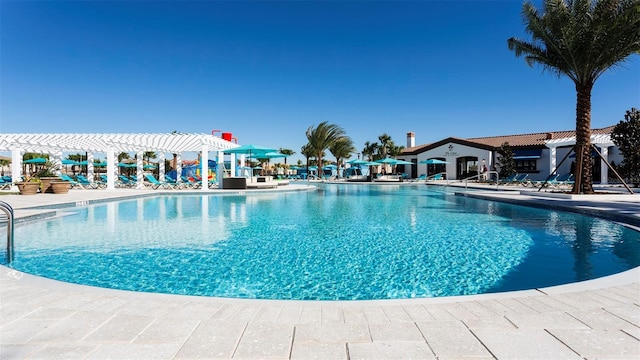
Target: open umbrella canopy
<point>403,162</point>
<point>125,165</point>
<point>250,149</point>
<point>387,161</point>
<point>69,162</point>
<point>433,161</point>
<point>148,167</point>
<point>35,161</point>
<point>271,155</point>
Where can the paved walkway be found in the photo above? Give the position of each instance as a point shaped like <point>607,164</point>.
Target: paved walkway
<point>42,318</point>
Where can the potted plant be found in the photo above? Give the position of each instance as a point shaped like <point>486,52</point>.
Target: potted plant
<point>60,186</point>
<point>29,186</point>
<point>47,174</point>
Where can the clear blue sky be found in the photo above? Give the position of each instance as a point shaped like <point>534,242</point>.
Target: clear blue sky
<point>266,71</point>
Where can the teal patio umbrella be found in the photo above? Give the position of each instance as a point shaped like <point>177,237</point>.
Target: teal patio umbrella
<point>35,161</point>
<point>251,150</point>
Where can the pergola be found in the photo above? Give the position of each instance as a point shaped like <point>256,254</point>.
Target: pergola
<point>111,145</point>
<point>601,140</point>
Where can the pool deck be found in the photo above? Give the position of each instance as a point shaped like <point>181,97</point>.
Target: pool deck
<point>596,319</point>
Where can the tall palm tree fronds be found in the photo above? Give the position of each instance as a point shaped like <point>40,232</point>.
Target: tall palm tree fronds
<point>322,137</point>
<point>342,149</point>
<point>580,39</point>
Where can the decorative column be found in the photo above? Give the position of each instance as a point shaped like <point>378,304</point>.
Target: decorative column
<point>57,162</point>
<point>220,171</point>
<point>16,167</point>
<point>178,167</point>
<point>204,164</point>
<point>161,162</point>
<point>604,169</point>
<point>139,170</point>
<point>552,159</point>
<point>232,165</point>
<point>90,166</point>
<point>111,169</point>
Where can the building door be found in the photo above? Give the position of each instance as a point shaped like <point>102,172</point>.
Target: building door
<point>466,166</point>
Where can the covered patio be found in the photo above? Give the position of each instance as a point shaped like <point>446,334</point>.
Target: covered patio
<point>112,144</point>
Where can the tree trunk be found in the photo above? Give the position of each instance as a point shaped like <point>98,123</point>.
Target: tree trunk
<point>584,182</point>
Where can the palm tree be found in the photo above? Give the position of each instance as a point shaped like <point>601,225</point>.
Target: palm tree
<point>342,149</point>
<point>307,151</point>
<point>395,151</point>
<point>148,155</point>
<point>369,150</point>
<point>322,137</point>
<point>287,152</point>
<point>385,144</point>
<point>123,156</point>
<point>580,39</point>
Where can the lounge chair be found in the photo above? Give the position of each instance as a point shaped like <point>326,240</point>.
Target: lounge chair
<point>562,180</point>
<point>154,183</point>
<point>89,184</point>
<point>4,185</point>
<point>191,183</point>
<point>521,179</point>
<point>435,177</point>
<point>174,183</point>
<point>124,181</point>
<point>74,184</point>
<point>509,179</point>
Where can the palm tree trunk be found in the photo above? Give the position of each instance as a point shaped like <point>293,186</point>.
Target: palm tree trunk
<point>584,181</point>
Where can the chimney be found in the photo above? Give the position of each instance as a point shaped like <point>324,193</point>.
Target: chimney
<point>549,136</point>
<point>411,139</point>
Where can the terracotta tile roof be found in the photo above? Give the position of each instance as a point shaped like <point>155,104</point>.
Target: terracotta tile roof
<point>536,140</point>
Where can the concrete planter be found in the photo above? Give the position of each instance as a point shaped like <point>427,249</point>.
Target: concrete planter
<point>28,188</point>
<point>59,187</point>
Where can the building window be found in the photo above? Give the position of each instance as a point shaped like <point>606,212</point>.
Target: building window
<point>526,165</point>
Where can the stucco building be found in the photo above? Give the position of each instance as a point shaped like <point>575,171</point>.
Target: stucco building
<point>536,154</point>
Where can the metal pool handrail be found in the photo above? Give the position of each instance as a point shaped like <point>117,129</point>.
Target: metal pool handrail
<point>10,217</point>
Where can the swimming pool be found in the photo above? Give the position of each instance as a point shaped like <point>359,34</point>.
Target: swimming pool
<point>343,242</point>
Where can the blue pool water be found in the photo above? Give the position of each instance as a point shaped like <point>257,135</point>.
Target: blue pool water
<point>343,242</point>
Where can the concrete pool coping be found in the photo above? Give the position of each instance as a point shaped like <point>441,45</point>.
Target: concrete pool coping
<point>43,318</point>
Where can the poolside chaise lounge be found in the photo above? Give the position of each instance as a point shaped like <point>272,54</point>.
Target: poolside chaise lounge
<point>74,184</point>
<point>153,183</point>
<point>90,184</point>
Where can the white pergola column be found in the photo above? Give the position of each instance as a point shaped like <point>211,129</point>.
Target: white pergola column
<point>220,170</point>
<point>16,167</point>
<point>204,164</point>
<point>553,159</point>
<point>57,161</point>
<point>90,166</point>
<point>161,162</point>
<point>604,169</point>
<point>111,169</point>
<point>232,165</point>
<point>178,167</point>
<point>139,170</point>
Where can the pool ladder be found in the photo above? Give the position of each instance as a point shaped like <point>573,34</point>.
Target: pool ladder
<point>8,210</point>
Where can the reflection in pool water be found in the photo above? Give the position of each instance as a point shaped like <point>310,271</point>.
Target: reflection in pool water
<point>343,242</point>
